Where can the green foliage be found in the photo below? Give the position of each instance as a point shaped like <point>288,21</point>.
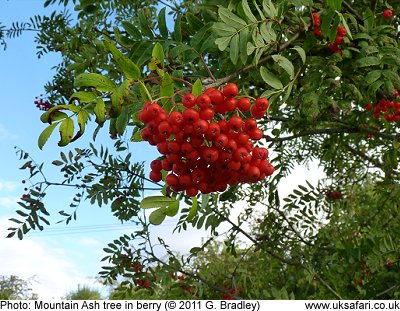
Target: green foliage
<point>83,293</point>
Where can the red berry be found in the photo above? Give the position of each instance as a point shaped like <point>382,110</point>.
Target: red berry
<point>368,107</point>
<point>235,123</point>
<point>192,191</point>
<point>250,124</point>
<point>230,104</point>
<point>244,104</point>
<point>257,113</point>
<point>190,115</point>
<point>189,100</point>
<point>256,134</point>
<point>200,127</point>
<point>155,165</point>
<point>206,114</point>
<point>387,14</point>
<point>175,117</point>
<point>203,101</point>
<point>230,90</point>
<point>317,32</point>
<point>261,103</point>
<point>338,40</point>
<point>341,31</point>
<point>172,180</point>
<point>165,128</point>
<point>155,176</point>
<point>316,20</point>
<point>210,154</point>
<point>217,98</point>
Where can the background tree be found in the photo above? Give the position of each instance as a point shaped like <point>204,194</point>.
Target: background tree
<point>15,288</point>
<point>83,293</point>
<point>330,73</point>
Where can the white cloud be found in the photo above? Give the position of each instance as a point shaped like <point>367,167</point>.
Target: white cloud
<point>90,242</point>
<point>7,185</point>
<point>5,134</point>
<point>9,202</point>
<point>54,273</point>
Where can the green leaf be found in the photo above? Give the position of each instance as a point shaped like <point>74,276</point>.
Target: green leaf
<point>223,30</point>
<point>247,11</point>
<point>136,136</point>
<point>243,39</point>
<point>223,43</point>
<point>234,49</point>
<point>172,209</point>
<point>144,92</point>
<point>100,112</point>
<point>131,30</point>
<point>269,9</point>
<point>157,217</point>
<point>270,78</point>
<point>66,131</point>
<point>158,53</point>
<point>205,198</point>
<point>372,76</point>
<point>368,61</point>
<point>368,19</point>
<point>156,201</point>
<point>162,24</point>
<point>118,97</point>
<point>166,89</point>
<point>193,209</point>
<point>83,117</point>
<point>197,88</point>
<point>231,19</point>
<point>250,48</point>
<point>267,33</point>
<point>177,34</point>
<point>100,82</point>
<point>44,136</point>
<point>128,68</point>
<point>179,49</point>
<point>144,24</point>
<point>335,4</point>
<point>122,121</point>
<point>301,52</point>
<point>83,97</point>
<point>285,64</point>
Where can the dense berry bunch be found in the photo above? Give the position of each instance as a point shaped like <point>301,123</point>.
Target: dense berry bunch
<point>334,47</point>
<point>207,145</point>
<point>43,105</point>
<point>388,109</point>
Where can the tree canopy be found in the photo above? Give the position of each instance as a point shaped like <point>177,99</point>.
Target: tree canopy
<point>322,80</point>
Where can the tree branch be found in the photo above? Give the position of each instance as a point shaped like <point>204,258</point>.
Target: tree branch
<point>248,68</point>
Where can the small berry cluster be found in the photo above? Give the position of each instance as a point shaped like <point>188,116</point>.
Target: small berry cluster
<point>334,47</point>
<point>234,291</point>
<point>390,110</point>
<point>43,105</point>
<point>316,21</point>
<point>207,146</point>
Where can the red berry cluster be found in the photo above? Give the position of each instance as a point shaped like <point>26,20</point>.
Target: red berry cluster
<point>234,291</point>
<point>389,109</point>
<point>43,105</point>
<point>334,47</point>
<point>207,146</point>
<point>316,22</point>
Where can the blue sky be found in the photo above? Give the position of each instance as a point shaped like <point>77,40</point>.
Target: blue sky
<point>61,257</point>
